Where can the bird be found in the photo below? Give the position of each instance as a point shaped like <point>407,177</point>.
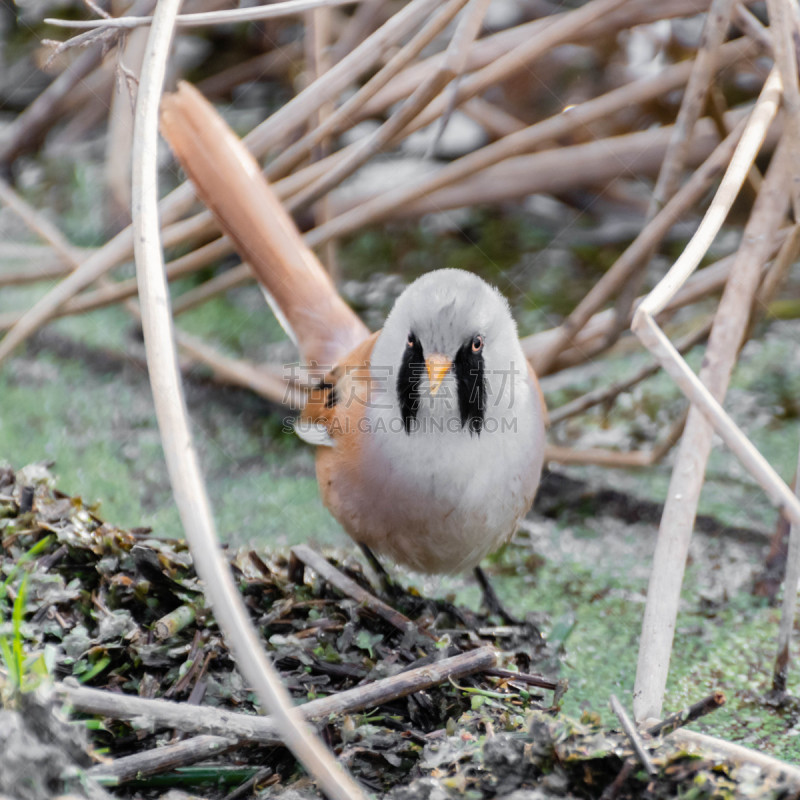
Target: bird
<point>429,433</point>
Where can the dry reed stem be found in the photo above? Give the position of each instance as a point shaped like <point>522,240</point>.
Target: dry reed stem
<point>497,122</point>
<point>317,39</point>
<point>491,49</point>
<point>270,64</point>
<point>746,150</point>
<point>453,63</point>
<point>376,209</point>
<point>347,586</point>
<point>752,26</point>
<point>265,730</point>
<point>784,33</point>
<point>717,109</point>
<point>715,30</point>
<point>694,99</point>
<point>367,16</point>
<point>120,131</point>
<point>614,279</point>
<point>203,18</point>
<point>601,457</point>
<point>181,458</point>
<point>777,772</point>
<point>38,224</point>
<point>705,392</point>
<point>633,735</point>
<point>779,269</point>
<point>28,128</point>
<point>266,381</point>
<point>178,202</point>
<point>345,114</point>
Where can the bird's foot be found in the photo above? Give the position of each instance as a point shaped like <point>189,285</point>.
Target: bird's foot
<point>492,601</point>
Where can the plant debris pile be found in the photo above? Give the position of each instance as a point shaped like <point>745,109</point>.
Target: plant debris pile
<point>123,611</point>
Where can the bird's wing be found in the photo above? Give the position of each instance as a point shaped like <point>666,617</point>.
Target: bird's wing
<point>228,180</point>
<point>338,405</point>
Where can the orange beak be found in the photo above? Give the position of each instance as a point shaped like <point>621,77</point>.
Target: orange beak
<point>438,366</point>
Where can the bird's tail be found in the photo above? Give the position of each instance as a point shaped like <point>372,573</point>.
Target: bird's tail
<point>228,180</point>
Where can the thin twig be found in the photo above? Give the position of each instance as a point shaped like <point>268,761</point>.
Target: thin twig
<point>633,736</point>
<point>522,677</point>
<point>234,15</point>
<point>267,730</point>
<point>694,712</point>
<point>350,588</point>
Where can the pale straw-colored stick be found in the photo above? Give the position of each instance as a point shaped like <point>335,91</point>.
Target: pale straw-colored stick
<point>37,223</point>
<point>675,531</point>
<point>705,64</point>
<point>182,463</point>
<point>228,16</point>
<point>743,157</point>
<point>784,34</point>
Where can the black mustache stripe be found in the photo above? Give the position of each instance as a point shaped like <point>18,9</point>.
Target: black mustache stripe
<point>408,380</point>
<point>471,387</point>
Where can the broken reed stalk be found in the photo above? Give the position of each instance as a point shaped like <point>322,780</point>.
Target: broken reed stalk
<point>779,773</point>
<point>224,730</point>
<point>182,464</point>
<point>633,736</point>
<point>694,712</point>
<point>724,342</point>
<point>349,587</point>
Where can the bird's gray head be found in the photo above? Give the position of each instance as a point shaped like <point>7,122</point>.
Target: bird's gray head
<point>448,345</point>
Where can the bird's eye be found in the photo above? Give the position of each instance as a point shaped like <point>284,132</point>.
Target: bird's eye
<point>477,344</point>
<point>412,340</point>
